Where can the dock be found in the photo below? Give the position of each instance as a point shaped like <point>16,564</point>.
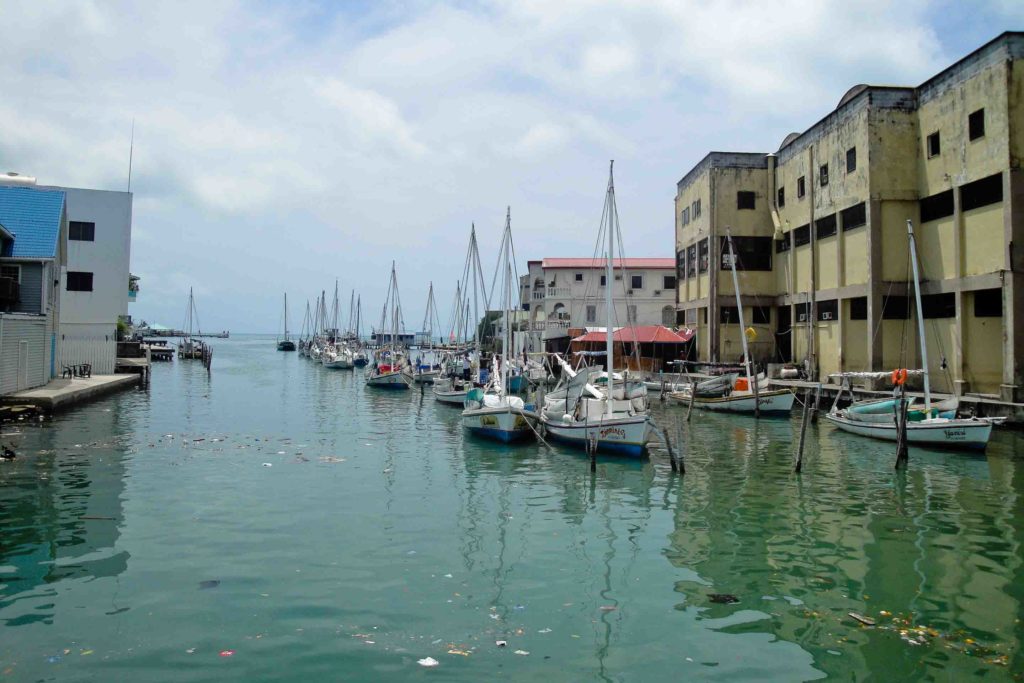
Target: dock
<point>59,394</point>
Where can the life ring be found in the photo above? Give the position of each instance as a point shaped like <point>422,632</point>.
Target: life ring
<point>899,376</point>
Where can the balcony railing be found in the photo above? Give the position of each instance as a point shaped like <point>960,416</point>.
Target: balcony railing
<point>537,296</point>
<point>559,291</point>
<point>542,325</point>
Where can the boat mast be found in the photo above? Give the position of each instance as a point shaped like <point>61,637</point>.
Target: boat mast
<point>739,305</point>
<point>609,310</point>
<point>920,320</point>
<point>359,309</point>
<point>286,316</point>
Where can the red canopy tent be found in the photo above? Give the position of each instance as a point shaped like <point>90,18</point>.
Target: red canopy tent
<point>658,344</point>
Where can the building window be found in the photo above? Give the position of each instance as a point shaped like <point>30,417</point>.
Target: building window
<point>578,277</point>
<point>13,272</point>
<point>981,192</point>
<point>988,303</point>
<point>631,313</point>
<point>802,236</point>
<point>801,187</point>
<point>938,305</point>
<point>851,160</point>
<point>802,312</point>
<point>781,195</point>
<point>762,315</point>
<point>591,314</point>
<point>825,227</point>
<point>636,281</point>
<point>79,281</point>
<point>855,216</point>
<point>702,255</point>
<point>668,282</point>
<point>752,253</point>
<point>681,264</point>
<point>823,175</point>
<point>745,199</point>
<point>691,261</point>
<point>603,280</point>
<point>895,308</point>
<point>934,148</point>
<point>785,244</point>
<point>976,124</point>
<point>859,308</point>
<point>936,206</point>
<point>828,310</point>
<point>690,317</point>
<point>696,208</point>
<point>80,230</point>
<point>728,315</point>
<point>686,216</point>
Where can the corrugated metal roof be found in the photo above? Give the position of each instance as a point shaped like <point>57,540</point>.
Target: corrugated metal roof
<point>645,334</point>
<point>669,263</point>
<point>33,217</point>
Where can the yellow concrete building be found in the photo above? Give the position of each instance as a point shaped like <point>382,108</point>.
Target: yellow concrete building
<point>820,231</point>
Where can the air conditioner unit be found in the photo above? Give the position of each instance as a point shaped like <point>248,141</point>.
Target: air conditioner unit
<point>657,292</point>
<point>826,315</point>
<point>618,277</point>
<point>629,292</point>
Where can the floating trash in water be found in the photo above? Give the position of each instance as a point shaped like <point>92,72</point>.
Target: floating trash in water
<point>331,458</point>
<point>427,661</point>
<point>723,598</point>
<point>211,583</point>
<point>447,576</point>
<point>522,652</point>
<point>501,643</point>
<point>227,653</point>
<point>608,608</point>
<point>268,464</point>
<point>867,621</point>
<point>520,607</point>
<point>544,630</point>
<point>191,651</point>
<point>86,653</point>
<point>461,653</point>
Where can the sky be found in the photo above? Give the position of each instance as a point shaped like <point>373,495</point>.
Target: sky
<point>282,145</point>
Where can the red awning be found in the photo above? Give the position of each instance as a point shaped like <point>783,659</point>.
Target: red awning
<point>645,334</point>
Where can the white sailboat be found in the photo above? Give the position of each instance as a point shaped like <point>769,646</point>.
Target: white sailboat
<point>192,347</point>
<point>608,419</point>
<point>285,344</point>
<point>386,372</point>
<point>336,355</point>
<point>933,429</point>
<point>426,369</point>
<point>492,412</point>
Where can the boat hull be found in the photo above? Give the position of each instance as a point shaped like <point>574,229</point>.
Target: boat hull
<point>338,364</point>
<point>499,424</point>
<point>970,435</point>
<point>624,436</point>
<point>768,403</point>
<point>427,377</point>
<point>452,398</point>
<point>389,380</point>
<point>286,346</point>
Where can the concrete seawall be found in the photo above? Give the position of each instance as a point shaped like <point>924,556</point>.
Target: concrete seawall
<point>64,393</point>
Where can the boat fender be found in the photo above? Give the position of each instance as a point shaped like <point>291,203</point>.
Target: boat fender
<point>899,376</point>
<point>567,418</point>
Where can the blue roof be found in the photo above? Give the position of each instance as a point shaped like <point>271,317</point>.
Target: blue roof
<point>33,217</point>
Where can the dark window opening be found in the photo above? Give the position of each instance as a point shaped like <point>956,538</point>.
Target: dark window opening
<point>825,227</point>
<point>578,277</point>
<point>823,175</point>
<point>855,216</point>
<point>828,310</point>
<point>938,305</point>
<point>988,303</point>
<point>745,199</point>
<point>79,281</point>
<point>801,188</point>
<point>851,160</point>
<point>752,253</point>
<point>702,255</point>
<point>681,264</point>
<point>859,308</point>
<point>782,196</point>
<point>802,236</point>
<point>936,206</point>
<point>895,308</point>
<point>728,315</point>
<point>668,282</point>
<point>81,230</point>
<point>976,124</point>
<point>691,261</point>
<point>762,315</point>
<point>934,147</point>
<point>604,280</point>
<point>636,281</point>
<point>802,312</point>
<point>981,192</point>
<point>785,244</point>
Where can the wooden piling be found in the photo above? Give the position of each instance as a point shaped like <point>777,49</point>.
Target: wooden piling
<point>902,452</point>
<point>799,464</point>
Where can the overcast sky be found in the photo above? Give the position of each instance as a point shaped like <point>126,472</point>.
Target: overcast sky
<point>279,145</point>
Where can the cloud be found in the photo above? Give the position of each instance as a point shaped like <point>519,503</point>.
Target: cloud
<point>372,119</point>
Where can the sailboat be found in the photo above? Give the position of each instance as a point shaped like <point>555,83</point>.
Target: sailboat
<point>285,344</point>
<point>386,372</point>
<point>751,394</point>
<point>193,348</point>
<point>492,412</point>
<point>359,357</point>
<point>336,354</point>
<point>612,418</point>
<point>932,427</point>
<point>426,370</point>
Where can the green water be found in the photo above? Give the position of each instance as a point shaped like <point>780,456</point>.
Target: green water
<point>381,534</point>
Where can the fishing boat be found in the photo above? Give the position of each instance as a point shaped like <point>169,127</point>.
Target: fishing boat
<point>613,419</point>
<point>492,412</point>
<point>285,344</point>
<point>386,372</point>
<point>191,347</point>
<point>932,429</point>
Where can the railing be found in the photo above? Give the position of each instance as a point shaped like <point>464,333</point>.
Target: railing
<point>559,291</point>
<point>540,326</point>
<point>537,296</point>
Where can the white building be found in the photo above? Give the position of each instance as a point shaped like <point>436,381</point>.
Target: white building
<point>569,293</point>
<point>94,287</point>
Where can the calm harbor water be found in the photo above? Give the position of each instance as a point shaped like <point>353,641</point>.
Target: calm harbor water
<point>278,521</point>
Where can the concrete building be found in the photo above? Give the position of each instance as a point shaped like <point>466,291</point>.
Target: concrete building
<point>564,293</point>
<point>33,254</point>
<point>820,227</point>
<point>98,286</point>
